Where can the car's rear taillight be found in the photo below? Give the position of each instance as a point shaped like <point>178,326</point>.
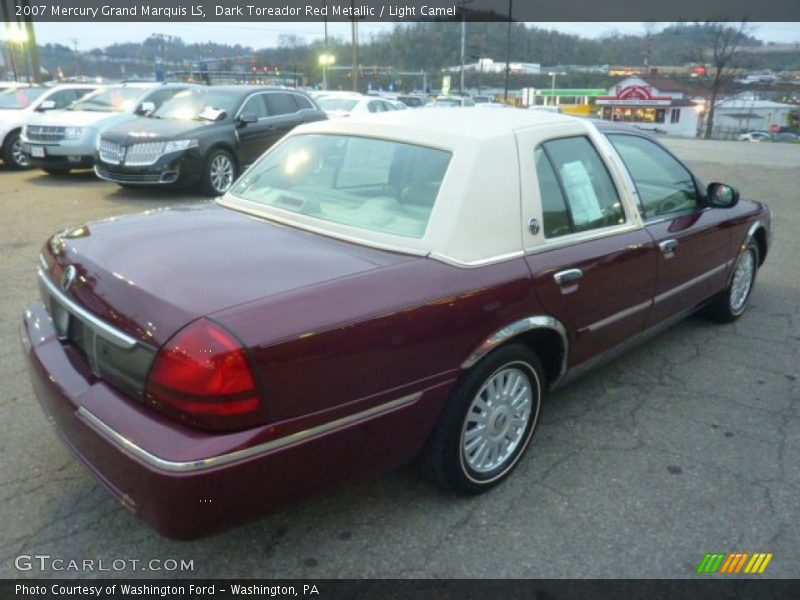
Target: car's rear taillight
<point>202,376</point>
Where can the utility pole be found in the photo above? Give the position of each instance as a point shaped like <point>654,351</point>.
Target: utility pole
<point>325,53</point>
<point>508,50</point>
<point>354,46</point>
<point>77,57</point>
<point>33,50</point>
<point>463,41</point>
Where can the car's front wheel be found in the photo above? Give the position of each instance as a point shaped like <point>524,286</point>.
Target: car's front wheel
<point>731,303</point>
<point>219,173</point>
<point>488,421</point>
<point>13,156</point>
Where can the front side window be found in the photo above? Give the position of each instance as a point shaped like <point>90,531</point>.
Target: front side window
<point>255,107</point>
<point>377,185</point>
<point>63,98</point>
<point>664,185</point>
<point>577,192</point>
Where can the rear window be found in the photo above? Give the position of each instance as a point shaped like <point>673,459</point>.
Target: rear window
<point>447,102</point>
<point>377,185</point>
<point>410,101</point>
<point>346,104</point>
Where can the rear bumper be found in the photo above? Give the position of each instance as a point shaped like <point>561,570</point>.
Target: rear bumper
<point>187,483</point>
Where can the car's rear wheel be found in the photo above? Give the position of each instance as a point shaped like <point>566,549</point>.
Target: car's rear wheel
<point>731,303</point>
<point>488,421</point>
<point>13,156</point>
<point>219,173</point>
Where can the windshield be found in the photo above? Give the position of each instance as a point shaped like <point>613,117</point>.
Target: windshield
<point>367,183</point>
<point>345,104</point>
<point>17,99</point>
<point>447,102</point>
<point>114,99</point>
<point>201,105</point>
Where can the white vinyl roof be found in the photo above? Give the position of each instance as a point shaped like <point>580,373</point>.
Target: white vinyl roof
<point>422,126</point>
<point>476,218</point>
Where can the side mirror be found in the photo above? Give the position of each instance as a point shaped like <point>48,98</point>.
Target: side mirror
<point>146,108</point>
<point>47,105</point>
<point>720,195</point>
<point>247,118</point>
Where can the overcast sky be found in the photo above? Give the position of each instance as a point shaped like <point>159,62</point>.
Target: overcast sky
<point>262,35</point>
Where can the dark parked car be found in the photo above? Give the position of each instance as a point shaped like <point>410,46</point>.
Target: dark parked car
<point>204,137</point>
<point>373,288</point>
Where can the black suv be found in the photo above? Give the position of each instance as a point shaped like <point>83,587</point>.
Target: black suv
<point>204,137</point>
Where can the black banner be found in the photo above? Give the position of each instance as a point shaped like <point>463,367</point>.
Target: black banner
<point>637,589</point>
<point>400,10</point>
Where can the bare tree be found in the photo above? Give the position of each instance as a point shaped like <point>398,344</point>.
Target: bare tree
<point>726,42</point>
<point>651,29</point>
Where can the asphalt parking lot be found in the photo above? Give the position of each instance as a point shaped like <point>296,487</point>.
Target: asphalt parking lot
<point>688,444</point>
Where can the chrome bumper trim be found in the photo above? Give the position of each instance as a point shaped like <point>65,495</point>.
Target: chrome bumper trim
<point>516,328</point>
<point>215,461</point>
<point>113,335</point>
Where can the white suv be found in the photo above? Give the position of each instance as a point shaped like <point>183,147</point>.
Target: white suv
<point>19,103</point>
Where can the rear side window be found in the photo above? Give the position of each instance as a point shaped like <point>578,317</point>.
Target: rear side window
<point>577,191</point>
<point>280,104</point>
<point>554,207</point>
<point>302,101</point>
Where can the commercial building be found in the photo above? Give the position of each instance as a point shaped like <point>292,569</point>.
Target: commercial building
<point>654,104</point>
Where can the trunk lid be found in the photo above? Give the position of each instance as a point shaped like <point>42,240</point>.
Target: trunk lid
<point>149,275</point>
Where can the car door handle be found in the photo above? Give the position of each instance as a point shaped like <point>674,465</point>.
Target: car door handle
<point>668,245</point>
<point>568,276</point>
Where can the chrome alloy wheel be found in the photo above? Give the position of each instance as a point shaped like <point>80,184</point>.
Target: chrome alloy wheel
<point>17,154</point>
<point>497,419</point>
<point>742,281</point>
<point>221,173</point>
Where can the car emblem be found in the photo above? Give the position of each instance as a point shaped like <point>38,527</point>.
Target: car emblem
<point>57,245</point>
<point>68,278</point>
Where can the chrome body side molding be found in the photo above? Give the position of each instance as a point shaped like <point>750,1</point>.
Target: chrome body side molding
<point>687,284</point>
<point>612,353</point>
<point>162,464</point>
<point>623,314</point>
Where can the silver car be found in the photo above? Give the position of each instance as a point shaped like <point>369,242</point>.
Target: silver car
<point>67,139</point>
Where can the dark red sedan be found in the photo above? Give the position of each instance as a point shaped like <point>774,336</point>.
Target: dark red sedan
<point>371,289</point>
